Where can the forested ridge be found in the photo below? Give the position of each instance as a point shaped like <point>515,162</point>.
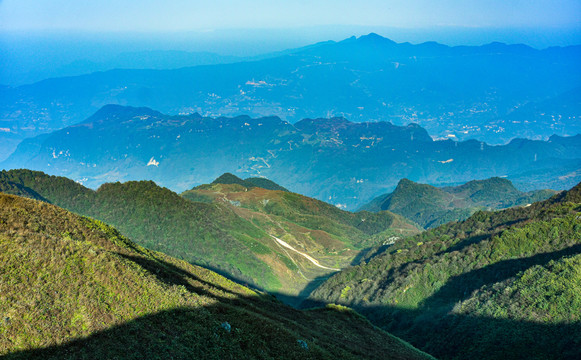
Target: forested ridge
<point>503,284</point>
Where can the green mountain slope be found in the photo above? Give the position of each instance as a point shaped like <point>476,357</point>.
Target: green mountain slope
<point>430,206</point>
<point>237,241</point>
<point>352,228</point>
<point>265,183</point>
<point>210,235</point>
<point>334,237</point>
<point>72,287</point>
<point>500,285</point>
<point>228,178</point>
<point>251,182</point>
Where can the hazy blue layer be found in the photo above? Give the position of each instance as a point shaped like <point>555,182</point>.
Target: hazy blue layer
<point>179,15</point>
<point>30,56</point>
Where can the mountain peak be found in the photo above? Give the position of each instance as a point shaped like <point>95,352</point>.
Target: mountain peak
<point>493,181</point>
<point>376,38</point>
<point>229,178</point>
<point>405,182</point>
<point>430,206</point>
<point>251,182</point>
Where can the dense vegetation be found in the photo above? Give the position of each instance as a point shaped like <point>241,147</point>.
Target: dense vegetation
<point>210,235</point>
<point>74,288</point>
<point>430,206</point>
<point>249,183</point>
<point>223,235</point>
<point>265,183</point>
<point>500,285</point>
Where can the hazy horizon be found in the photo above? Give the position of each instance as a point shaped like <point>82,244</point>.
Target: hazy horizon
<point>40,38</point>
<point>232,27</point>
<point>183,15</point>
<point>32,55</point>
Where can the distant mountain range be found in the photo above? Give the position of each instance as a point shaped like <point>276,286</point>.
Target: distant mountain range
<point>499,285</point>
<point>493,92</point>
<point>335,160</point>
<point>75,288</point>
<point>430,206</point>
<point>19,70</point>
<point>231,226</point>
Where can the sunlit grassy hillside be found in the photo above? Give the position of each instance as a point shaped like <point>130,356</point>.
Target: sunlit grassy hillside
<point>72,287</point>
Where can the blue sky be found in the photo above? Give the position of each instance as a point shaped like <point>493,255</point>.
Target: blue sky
<point>208,15</point>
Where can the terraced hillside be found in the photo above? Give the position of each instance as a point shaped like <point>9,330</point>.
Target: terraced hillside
<point>75,288</point>
<point>500,285</point>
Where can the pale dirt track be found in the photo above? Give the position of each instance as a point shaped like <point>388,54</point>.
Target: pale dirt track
<point>306,256</point>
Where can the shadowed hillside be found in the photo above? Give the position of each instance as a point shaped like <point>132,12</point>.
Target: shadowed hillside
<point>499,285</point>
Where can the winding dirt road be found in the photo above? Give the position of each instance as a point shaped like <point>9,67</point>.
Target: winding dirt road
<point>306,256</point>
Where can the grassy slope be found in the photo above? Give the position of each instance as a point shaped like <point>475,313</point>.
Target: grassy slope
<point>353,229</point>
<point>499,285</point>
<point>72,287</point>
<point>206,234</point>
<point>332,236</point>
<point>430,206</point>
<point>230,239</point>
